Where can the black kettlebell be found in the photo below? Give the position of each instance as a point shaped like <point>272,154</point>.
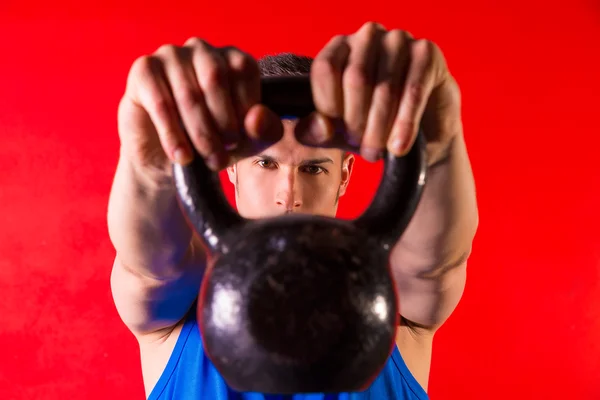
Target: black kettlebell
<point>299,303</point>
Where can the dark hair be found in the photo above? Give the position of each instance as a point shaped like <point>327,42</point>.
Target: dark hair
<point>284,64</point>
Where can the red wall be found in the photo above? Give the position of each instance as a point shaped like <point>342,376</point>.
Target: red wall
<point>529,323</point>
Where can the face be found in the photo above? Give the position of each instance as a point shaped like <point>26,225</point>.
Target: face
<point>290,177</point>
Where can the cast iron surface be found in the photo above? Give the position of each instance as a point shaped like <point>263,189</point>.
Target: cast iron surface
<point>299,303</point>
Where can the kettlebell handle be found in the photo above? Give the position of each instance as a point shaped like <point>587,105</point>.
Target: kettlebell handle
<point>208,211</point>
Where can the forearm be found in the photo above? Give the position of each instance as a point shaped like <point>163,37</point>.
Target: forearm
<point>145,224</point>
<point>441,232</point>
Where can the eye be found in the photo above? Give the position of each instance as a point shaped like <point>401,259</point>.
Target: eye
<point>267,164</point>
<point>313,169</point>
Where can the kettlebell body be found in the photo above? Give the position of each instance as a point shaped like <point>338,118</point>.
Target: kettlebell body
<point>299,303</point>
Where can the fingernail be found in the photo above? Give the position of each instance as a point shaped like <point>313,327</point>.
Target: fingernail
<point>371,154</point>
<point>182,156</point>
<point>398,146</point>
<point>265,126</point>
<point>318,129</point>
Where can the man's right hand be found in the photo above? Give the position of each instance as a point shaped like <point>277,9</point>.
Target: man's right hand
<point>194,95</point>
<point>176,100</point>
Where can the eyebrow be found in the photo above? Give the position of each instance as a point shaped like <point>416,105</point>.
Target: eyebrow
<point>310,161</point>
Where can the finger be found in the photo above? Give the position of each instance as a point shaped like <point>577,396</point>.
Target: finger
<point>419,83</point>
<point>263,129</point>
<point>191,106</point>
<point>392,68</point>
<point>358,79</point>
<point>150,91</point>
<point>326,77</point>
<point>213,77</point>
<point>244,80</point>
<point>317,130</point>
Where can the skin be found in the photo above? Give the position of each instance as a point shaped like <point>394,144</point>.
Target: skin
<point>290,177</point>
<point>380,84</point>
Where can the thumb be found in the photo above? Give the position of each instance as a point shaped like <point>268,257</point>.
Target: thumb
<point>316,130</point>
<point>262,128</point>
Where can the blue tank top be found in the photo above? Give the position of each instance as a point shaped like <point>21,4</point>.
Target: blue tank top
<point>190,375</point>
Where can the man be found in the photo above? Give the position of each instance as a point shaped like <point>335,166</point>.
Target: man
<point>381,84</point>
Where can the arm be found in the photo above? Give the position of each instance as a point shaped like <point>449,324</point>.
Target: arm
<point>176,99</point>
<point>385,94</point>
<point>430,260</point>
<point>158,267</point>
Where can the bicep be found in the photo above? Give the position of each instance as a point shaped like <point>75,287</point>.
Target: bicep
<point>428,300</point>
<point>150,305</point>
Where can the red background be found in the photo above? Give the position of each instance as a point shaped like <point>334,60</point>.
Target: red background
<point>529,323</point>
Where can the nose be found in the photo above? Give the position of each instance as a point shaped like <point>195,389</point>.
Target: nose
<point>290,205</point>
<point>288,196</point>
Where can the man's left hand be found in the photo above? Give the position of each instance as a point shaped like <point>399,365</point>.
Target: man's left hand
<point>384,84</point>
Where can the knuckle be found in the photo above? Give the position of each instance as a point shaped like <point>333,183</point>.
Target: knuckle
<point>242,63</point>
<point>187,97</point>
<point>212,74</point>
<point>339,38</point>
<point>415,92</point>
<point>195,42</point>
<point>237,59</point>
<point>434,49</point>
<point>370,27</point>
<point>161,106</point>
<point>167,50</point>
<point>424,49</point>
<point>143,65</point>
<point>397,37</point>
<point>337,42</point>
<point>325,66</point>
<point>387,90</point>
<point>356,76</point>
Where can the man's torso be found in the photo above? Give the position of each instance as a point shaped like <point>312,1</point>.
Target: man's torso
<point>156,352</point>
